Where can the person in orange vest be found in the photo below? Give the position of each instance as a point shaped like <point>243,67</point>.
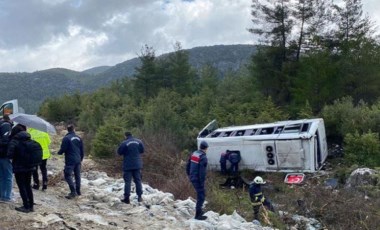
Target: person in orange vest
<point>44,140</point>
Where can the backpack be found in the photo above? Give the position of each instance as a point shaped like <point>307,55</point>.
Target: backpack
<point>31,153</point>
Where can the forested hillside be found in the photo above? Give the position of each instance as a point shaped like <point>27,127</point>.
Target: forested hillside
<point>33,88</point>
<point>302,69</point>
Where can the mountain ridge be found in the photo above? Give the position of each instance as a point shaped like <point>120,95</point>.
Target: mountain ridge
<point>33,88</point>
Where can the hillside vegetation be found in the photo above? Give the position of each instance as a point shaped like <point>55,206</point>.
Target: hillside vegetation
<point>58,81</point>
<point>167,102</point>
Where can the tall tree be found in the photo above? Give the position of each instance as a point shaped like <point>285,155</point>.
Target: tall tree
<point>352,24</point>
<point>180,72</point>
<point>310,17</point>
<point>146,75</point>
<point>271,19</point>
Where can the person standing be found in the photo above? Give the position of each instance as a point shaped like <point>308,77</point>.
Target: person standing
<point>257,197</point>
<point>196,170</point>
<point>72,147</point>
<point>22,167</point>
<point>44,140</point>
<point>6,176</point>
<point>131,149</point>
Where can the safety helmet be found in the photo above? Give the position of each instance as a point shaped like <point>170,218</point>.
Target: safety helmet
<point>259,180</point>
<point>203,145</point>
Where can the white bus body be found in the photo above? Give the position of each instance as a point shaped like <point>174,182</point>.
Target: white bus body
<point>284,146</point>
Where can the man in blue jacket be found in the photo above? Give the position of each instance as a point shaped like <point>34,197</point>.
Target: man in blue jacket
<point>72,147</point>
<point>131,149</point>
<point>234,157</point>
<point>196,170</point>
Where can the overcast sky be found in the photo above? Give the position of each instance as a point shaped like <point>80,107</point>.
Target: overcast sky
<point>81,34</point>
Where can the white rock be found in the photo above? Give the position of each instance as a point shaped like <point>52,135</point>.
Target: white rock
<point>136,210</point>
<point>97,182</point>
<point>92,218</point>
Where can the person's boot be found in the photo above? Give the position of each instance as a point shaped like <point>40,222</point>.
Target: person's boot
<point>79,193</point>
<point>44,186</point>
<point>36,186</point>
<point>71,195</point>
<point>22,209</point>
<point>139,199</point>
<point>31,209</point>
<point>126,200</point>
<point>199,215</point>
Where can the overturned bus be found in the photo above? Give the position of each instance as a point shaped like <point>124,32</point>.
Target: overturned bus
<point>284,146</point>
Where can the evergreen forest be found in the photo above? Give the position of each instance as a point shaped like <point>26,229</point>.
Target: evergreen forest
<point>313,59</point>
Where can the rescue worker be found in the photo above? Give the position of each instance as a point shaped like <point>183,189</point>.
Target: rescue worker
<point>257,197</point>
<point>196,170</point>
<point>234,158</point>
<point>131,149</point>
<point>223,162</point>
<point>44,140</point>
<point>72,147</point>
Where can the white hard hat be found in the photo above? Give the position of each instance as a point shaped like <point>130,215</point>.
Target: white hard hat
<point>259,180</point>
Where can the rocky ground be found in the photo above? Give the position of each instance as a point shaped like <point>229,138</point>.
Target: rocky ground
<point>99,206</point>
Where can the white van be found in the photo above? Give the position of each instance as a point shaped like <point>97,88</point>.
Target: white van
<point>284,146</point>
<point>10,107</point>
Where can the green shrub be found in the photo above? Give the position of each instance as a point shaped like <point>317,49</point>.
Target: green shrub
<point>107,138</point>
<point>344,117</point>
<point>65,108</point>
<point>363,149</point>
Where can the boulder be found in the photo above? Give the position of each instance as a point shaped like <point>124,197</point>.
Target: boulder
<point>362,177</point>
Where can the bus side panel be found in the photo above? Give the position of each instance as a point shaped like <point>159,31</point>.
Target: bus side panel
<point>322,141</point>
<point>217,146</point>
<point>291,154</point>
<point>252,157</point>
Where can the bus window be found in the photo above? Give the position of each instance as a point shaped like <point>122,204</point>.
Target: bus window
<point>6,109</point>
<point>252,132</point>
<point>292,128</point>
<point>279,129</point>
<point>266,131</point>
<point>239,133</point>
<point>305,127</point>
<point>226,134</point>
<point>215,134</point>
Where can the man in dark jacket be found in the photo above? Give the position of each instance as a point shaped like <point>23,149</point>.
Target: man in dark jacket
<point>72,147</point>
<point>5,163</point>
<point>234,158</point>
<point>21,168</point>
<point>196,170</point>
<point>131,149</point>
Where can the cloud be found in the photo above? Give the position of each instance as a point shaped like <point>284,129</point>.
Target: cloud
<point>80,34</point>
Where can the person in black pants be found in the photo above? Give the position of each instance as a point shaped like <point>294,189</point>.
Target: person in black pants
<point>131,149</point>
<point>72,147</point>
<point>44,140</point>
<point>23,172</point>
<point>196,170</point>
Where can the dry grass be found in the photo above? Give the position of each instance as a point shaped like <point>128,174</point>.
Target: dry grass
<point>163,166</point>
<point>164,169</point>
